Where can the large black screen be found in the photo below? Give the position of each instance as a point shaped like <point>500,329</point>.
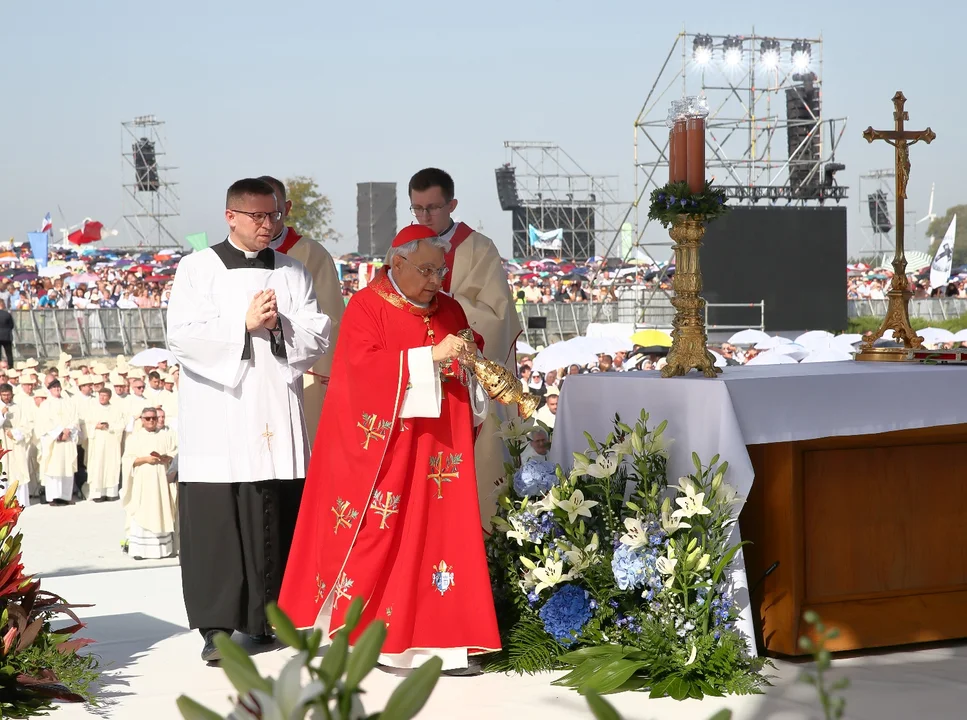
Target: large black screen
<point>793,258</point>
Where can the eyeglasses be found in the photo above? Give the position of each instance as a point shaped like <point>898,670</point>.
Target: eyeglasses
<point>426,272</point>
<point>259,217</point>
<point>418,210</point>
<point>148,418</point>
<point>137,387</point>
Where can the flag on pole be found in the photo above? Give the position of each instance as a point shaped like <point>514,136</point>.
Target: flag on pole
<point>46,225</point>
<point>197,241</point>
<point>91,231</point>
<point>944,259</point>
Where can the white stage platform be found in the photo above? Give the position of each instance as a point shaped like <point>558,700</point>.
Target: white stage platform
<point>150,657</point>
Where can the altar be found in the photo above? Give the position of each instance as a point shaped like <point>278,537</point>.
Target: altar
<point>851,479</point>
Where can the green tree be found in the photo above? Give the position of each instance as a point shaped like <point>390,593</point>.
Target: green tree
<point>311,214</point>
<point>939,226</point>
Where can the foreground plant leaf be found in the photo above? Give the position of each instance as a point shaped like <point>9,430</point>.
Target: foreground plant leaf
<point>611,676</point>
<point>365,654</point>
<point>601,708</point>
<point>411,695</point>
<point>191,710</point>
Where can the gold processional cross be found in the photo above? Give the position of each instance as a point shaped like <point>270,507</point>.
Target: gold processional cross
<point>898,311</point>
<point>268,437</point>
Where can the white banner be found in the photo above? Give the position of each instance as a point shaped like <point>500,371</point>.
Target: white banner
<point>944,259</point>
<point>550,240</point>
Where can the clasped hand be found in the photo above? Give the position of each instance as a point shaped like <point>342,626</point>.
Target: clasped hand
<point>263,311</point>
<point>451,348</point>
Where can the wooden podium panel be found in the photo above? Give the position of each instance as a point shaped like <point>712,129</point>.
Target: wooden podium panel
<point>870,531</point>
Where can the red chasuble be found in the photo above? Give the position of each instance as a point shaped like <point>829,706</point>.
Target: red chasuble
<point>462,232</point>
<point>291,238</point>
<point>390,510</point>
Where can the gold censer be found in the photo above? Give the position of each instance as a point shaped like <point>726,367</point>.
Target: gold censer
<point>498,382</point>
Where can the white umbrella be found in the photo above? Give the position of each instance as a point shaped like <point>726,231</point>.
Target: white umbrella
<point>748,337</point>
<point>54,271</point>
<point>771,358</point>
<point>524,349</point>
<point>846,340</point>
<point>794,350</point>
<point>960,336</point>
<point>935,336</point>
<point>827,355</point>
<point>562,354</point>
<point>815,338</point>
<point>772,342</point>
<point>152,356</point>
<point>719,359</point>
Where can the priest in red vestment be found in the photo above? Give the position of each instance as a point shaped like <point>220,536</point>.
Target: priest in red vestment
<point>390,510</point>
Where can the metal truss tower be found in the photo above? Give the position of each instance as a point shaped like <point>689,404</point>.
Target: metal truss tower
<point>877,243</point>
<point>768,138</point>
<point>149,198</point>
<point>553,192</point>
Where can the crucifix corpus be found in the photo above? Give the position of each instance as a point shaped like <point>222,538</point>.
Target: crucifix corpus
<point>898,311</point>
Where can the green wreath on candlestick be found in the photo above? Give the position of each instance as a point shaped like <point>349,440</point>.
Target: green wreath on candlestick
<point>673,200</point>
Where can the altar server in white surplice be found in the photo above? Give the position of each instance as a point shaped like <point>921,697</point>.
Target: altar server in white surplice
<point>105,430</point>
<point>16,439</point>
<point>58,429</point>
<point>244,324</point>
<point>150,500</point>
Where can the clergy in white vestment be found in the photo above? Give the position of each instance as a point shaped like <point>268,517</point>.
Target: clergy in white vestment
<point>150,500</point>
<point>16,440</point>
<point>244,324</point>
<point>477,280</point>
<point>105,429</point>
<point>58,429</point>
<point>328,288</point>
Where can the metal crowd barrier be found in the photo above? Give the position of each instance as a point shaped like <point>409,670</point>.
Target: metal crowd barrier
<point>45,333</point>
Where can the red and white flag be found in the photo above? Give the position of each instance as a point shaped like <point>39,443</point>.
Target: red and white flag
<point>92,231</point>
<point>46,225</point>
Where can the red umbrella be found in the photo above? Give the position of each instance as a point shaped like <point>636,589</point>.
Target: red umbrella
<point>90,232</point>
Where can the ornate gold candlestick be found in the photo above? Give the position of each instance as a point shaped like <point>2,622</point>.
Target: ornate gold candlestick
<point>688,335</point>
<point>898,311</point>
<point>498,382</point>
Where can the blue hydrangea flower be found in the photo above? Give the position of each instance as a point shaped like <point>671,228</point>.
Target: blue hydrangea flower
<point>566,613</point>
<point>628,567</point>
<point>533,598</point>
<point>535,478</point>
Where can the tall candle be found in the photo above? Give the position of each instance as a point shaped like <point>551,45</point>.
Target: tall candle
<point>695,163</point>
<point>679,169</point>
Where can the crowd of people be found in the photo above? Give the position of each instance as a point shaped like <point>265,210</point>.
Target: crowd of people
<point>74,431</point>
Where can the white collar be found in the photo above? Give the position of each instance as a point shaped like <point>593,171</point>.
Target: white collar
<point>448,235</point>
<point>248,255</point>
<point>279,239</point>
<point>389,274</point>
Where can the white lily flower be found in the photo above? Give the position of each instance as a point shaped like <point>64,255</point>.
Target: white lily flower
<point>670,524</point>
<point>527,582</point>
<point>549,574</point>
<point>604,466</point>
<point>692,504</point>
<point>576,505</point>
<point>545,504</point>
<point>636,537</point>
<point>581,559</point>
<point>666,566</point>
<point>518,532</point>
<point>580,466</point>
<point>692,655</point>
<point>625,447</point>
<point>728,495</point>
<point>515,429</point>
<point>288,699</point>
<point>657,445</point>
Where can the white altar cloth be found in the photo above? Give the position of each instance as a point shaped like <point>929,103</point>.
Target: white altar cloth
<point>759,405</point>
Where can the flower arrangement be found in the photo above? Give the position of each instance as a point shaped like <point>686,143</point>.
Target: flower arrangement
<point>609,571</point>
<point>676,200</point>
<point>37,663</point>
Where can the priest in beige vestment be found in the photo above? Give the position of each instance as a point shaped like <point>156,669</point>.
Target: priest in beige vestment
<point>105,423</point>
<point>325,281</point>
<point>150,499</point>
<point>477,281</point>
<point>59,431</point>
<point>16,439</point>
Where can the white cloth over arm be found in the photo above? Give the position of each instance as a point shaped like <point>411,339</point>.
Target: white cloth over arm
<point>424,395</point>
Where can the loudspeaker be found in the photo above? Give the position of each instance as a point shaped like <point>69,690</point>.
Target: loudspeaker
<point>802,115</point>
<point>507,187</point>
<point>375,217</point>
<point>880,212</point>
<point>145,166</point>
<point>537,322</point>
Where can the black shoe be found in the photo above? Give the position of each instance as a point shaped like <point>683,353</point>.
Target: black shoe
<point>473,669</point>
<point>210,653</point>
<point>262,639</point>
<point>100,499</point>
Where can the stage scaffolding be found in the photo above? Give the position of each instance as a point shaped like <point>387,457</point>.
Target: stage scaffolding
<point>754,84</point>
<point>553,187</point>
<point>149,198</point>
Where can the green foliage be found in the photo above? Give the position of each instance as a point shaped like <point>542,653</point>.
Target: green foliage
<point>527,648</point>
<point>833,706</point>
<point>334,688</point>
<point>869,323</point>
<point>676,200</point>
<point>311,214</point>
<point>938,228</point>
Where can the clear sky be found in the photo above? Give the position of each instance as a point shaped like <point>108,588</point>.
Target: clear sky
<point>362,91</point>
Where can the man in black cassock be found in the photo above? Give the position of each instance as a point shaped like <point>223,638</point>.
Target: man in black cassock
<point>244,323</point>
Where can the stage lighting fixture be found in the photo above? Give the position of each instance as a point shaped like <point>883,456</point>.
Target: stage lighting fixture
<point>801,55</point>
<point>702,49</point>
<point>732,47</point>
<point>769,53</point>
